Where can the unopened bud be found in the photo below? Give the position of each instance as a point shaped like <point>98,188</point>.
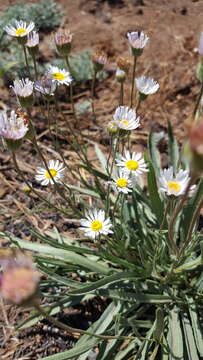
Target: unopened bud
<point>99,59</point>
<point>63,41</point>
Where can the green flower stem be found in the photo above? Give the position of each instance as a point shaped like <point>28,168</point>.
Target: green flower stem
<point>138,104</point>
<point>133,81</point>
<point>166,210</point>
<point>198,100</point>
<point>35,66</point>
<point>110,173</point>
<point>71,88</point>
<point>20,173</point>
<point>174,217</point>
<point>93,95</point>
<point>121,101</point>
<point>26,59</point>
<point>71,330</point>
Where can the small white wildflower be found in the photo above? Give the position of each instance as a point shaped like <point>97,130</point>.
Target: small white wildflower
<point>23,87</point>
<point>126,119</point>
<point>112,127</point>
<point>20,29</point>
<point>95,223</point>
<point>13,127</point>
<point>122,183</point>
<point>60,76</point>
<point>174,185</point>
<point>132,164</point>
<point>55,169</point>
<point>146,86</point>
<point>137,40</point>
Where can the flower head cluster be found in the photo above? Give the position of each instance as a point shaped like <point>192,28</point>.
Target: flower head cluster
<point>122,182</point>
<point>60,76</point>
<point>56,172</point>
<point>146,86</point>
<point>132,164</point>
<point>20,29</point>
<point>63,41</point>
<point>19,279</point>
<point>174,184</point>
<point>95,223</point>
<point>126,118</point>
<point>137,40</point>
<point>13,127</point>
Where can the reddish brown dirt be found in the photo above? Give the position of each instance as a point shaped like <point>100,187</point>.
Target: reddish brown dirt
<point>171,58</point>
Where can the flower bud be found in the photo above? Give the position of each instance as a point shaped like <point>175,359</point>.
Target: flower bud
<point>63,41</point>
<point>120,75</point>
<point>99,59</point>
<point>112,128</point>
<point>24,91</point>
<point>33,43</point>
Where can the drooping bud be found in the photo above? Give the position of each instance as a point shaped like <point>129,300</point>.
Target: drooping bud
<point>193,149</point>
<point>19,277</point>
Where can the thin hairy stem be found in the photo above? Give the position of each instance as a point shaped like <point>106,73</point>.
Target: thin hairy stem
<point>26,60</point>
<point>198,100</point>
<point>133,82</point>
<point>71,330</point>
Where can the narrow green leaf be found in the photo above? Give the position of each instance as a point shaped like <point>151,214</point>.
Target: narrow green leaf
<point>198,335</point>
<point>101,157</point>
<point>154,139</point>
<point>84,191</point>
<point>189,338</point>
<point>175,339</point>
<point>156,202</point>
<point>159,324</point>
<point>66,255</point>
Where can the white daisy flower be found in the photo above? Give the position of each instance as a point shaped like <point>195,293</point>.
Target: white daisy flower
<point>20,29</point>
<point>126,118</point>
<point>23,88</point>
<point>132,164</point>
<point>122,183</point>
<point>13,127</point>
<point>175,185</point>
<point>55,169</point>
<point>32,40</point>
<point>60,76</point>
<point>137,40</point>
<point>146,86</point>
<point>95,223</point>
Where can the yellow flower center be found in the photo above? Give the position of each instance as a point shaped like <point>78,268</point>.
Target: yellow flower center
<point>174,186</point>
<point>53,172</point>
<point>96,225</point>
<point>122,182</point>
<point>21,31</point>
<point>124,122</point>
<point>58,76</point>
<point>132,165</point>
